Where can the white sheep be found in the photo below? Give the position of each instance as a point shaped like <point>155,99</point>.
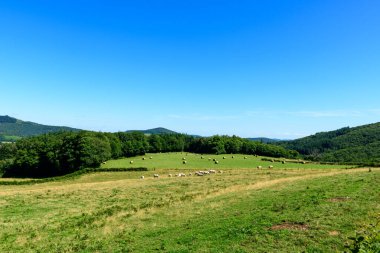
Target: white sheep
<point>212,171</point>
<point>156,175</point>
<point>131,162</point>
<point>142,177</point>
<point>270,167</point>
<point>259,167</point>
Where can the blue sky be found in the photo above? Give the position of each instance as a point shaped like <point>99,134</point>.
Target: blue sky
<point>281,69</point>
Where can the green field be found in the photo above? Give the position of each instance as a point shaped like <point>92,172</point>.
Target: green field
<point>195,161</point>
<point>290,208</point>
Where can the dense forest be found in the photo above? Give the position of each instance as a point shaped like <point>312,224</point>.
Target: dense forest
<point>358,145</point>
<point>60,153</point>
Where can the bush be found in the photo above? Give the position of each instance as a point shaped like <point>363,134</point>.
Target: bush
<point>365,241</point>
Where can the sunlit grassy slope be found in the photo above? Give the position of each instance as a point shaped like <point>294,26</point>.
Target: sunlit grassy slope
<point>286,209</point>
<point>195,161</point>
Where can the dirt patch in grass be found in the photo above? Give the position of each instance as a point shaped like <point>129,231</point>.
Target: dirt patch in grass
<point>290,226</point>
<point>334,233</point>
<point>339,199</point>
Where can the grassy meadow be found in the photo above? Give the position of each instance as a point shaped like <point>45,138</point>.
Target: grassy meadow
<point>195,161</point>
<point>290,208</point>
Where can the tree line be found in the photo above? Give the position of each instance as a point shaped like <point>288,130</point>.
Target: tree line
<point>359,145</point>
<point>61,153</point>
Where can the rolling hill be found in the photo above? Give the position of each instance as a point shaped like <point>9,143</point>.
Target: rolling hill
<point>12,129</point>
<point>157,130</point>
<point>356,144</point>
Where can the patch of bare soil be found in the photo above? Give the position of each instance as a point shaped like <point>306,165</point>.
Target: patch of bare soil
<point>334,233</point>
<point>338,199</point>
<point>290,226</point>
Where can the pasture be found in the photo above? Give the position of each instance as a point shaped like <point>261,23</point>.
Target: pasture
<point>290,208</point>
<point>195,161</point>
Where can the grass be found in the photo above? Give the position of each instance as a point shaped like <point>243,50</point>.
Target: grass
<point>288,209</point>
<point>194,161</point>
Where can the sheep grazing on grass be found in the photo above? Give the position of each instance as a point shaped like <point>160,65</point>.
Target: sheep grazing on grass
<point>220,171</point>
<point>212,171</point>
<point>216,162</point>
<point>142,177</point>
<point>143,158</point>
<point>283,162</point>
<point>224,157</point>
<point>104,162</point>
<point>202,157</point>
<point>259,167</point>
<point>131,162</point>
<point>181,175</point>
<point>245,157</point>
<point>303,162</point>
<point>183,158</point>
<point>198,173</point>
<point>270,167</point>
<point>209,159</point>
<point>155,175</point>
<point>184,162</point>
<point>233,156</point>
<point>170,175</point>
<point>150,157</point>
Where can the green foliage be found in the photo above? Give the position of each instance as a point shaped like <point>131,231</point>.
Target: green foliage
<point>61,153</point>
<point>358,144</point>
<point>235,145</point>
<point>367,240</point>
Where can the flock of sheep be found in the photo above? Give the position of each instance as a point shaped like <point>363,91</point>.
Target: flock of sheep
<point>200,172</point>
<point>196,173</point>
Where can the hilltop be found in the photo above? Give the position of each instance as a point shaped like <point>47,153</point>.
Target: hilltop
<point>12,129</point>
<point>157,130</point>
<point>356,144</point>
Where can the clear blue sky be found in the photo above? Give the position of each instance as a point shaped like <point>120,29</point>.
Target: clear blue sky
<point>281,69</point>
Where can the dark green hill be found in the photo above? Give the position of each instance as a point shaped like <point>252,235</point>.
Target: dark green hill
<point>12,129</point>
<point>356,144</point>
<point>158,130</point>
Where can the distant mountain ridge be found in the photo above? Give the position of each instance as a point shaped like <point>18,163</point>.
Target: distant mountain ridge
<point>356,144</point>
<point>12,129</point>
<point>264,139</point>
<point>157,130</point>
